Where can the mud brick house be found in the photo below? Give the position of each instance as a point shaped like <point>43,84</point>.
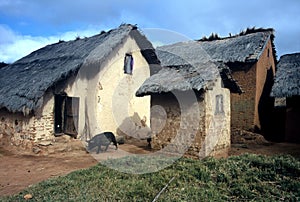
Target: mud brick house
<point>207,68</point>
<point>190,107</point>
<point>251,58</point>
<point>287,86</point>
<point>80,87</point>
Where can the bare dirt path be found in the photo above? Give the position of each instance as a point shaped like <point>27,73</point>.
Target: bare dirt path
<point>18,171</point>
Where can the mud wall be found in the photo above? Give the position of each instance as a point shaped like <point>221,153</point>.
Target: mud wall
<point>25,130</point>
<point>245,112</point>
<point>193,123</point>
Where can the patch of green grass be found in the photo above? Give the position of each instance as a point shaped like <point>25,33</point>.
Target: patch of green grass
<point>238,178</point>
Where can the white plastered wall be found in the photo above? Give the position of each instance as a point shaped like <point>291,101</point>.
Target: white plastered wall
<point>107,100</point>
<point>217,123</point>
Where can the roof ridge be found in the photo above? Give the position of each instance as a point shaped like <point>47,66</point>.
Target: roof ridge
<point>290,54</point>
<point>258,52</point>
<point>248,31</point>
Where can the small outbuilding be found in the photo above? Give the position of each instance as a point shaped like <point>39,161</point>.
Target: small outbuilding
<point>251,57</point>
<point>204,70</point>
<point>287,88</point>
<point>190,107</point>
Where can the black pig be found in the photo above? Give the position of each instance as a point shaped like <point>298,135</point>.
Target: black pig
<point>102,139</point>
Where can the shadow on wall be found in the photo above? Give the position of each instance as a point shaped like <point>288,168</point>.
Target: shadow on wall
<point>134,128</point>
<point>292,130</point>
<point>86,134</point>
<point>272,127</point>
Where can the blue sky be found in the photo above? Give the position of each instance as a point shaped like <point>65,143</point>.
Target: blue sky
<point>26,25</point>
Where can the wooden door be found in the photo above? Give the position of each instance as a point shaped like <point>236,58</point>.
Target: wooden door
<point>71,115</point>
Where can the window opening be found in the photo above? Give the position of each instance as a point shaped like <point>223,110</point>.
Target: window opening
<point>219,104</point>
<point>128,64</point>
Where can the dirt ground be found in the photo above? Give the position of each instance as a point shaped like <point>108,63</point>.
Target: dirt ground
<point>19,170</point>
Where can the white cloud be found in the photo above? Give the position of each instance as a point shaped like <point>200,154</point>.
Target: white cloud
<point>14,46</point>
<point>192,18</point>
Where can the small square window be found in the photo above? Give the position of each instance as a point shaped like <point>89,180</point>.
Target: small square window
<point>128,64</point>
<point>219,104</point>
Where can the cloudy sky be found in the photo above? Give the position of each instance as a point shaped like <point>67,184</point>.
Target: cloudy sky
<point>26,25</point>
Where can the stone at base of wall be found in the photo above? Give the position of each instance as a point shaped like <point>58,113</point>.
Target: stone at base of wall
<point>218,152</point>
<point>221,153</point>
<point>60,147</point>
<point>28,147</point>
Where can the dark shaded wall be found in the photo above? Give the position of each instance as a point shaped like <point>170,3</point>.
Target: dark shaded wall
<point>292,131</point>
<point>266,108</point>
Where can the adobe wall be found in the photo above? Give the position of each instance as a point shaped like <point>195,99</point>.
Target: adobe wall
<point>25,130</point>
<point>178,123</point>
<point>107,101</point>
<point>119,110</point>
<point>217,113</point>
<point>194,125</point>
<point>265,63</point>
<point>107,94</point>
<point>243,105</point>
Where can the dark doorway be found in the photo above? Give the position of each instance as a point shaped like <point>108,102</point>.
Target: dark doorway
<point>266,110</point>
<point>58,111</point>
<point>66,115</point>
<point>292,119</point>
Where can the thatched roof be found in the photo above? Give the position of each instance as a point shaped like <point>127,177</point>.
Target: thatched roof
<point>23,83</point>
<point>199,76</point>
<point>246,49</point>
<point>197,64</point>
<point>186,72</point>
<point>186,77</point>
<point>287,78</point>
<point>3,64</point>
